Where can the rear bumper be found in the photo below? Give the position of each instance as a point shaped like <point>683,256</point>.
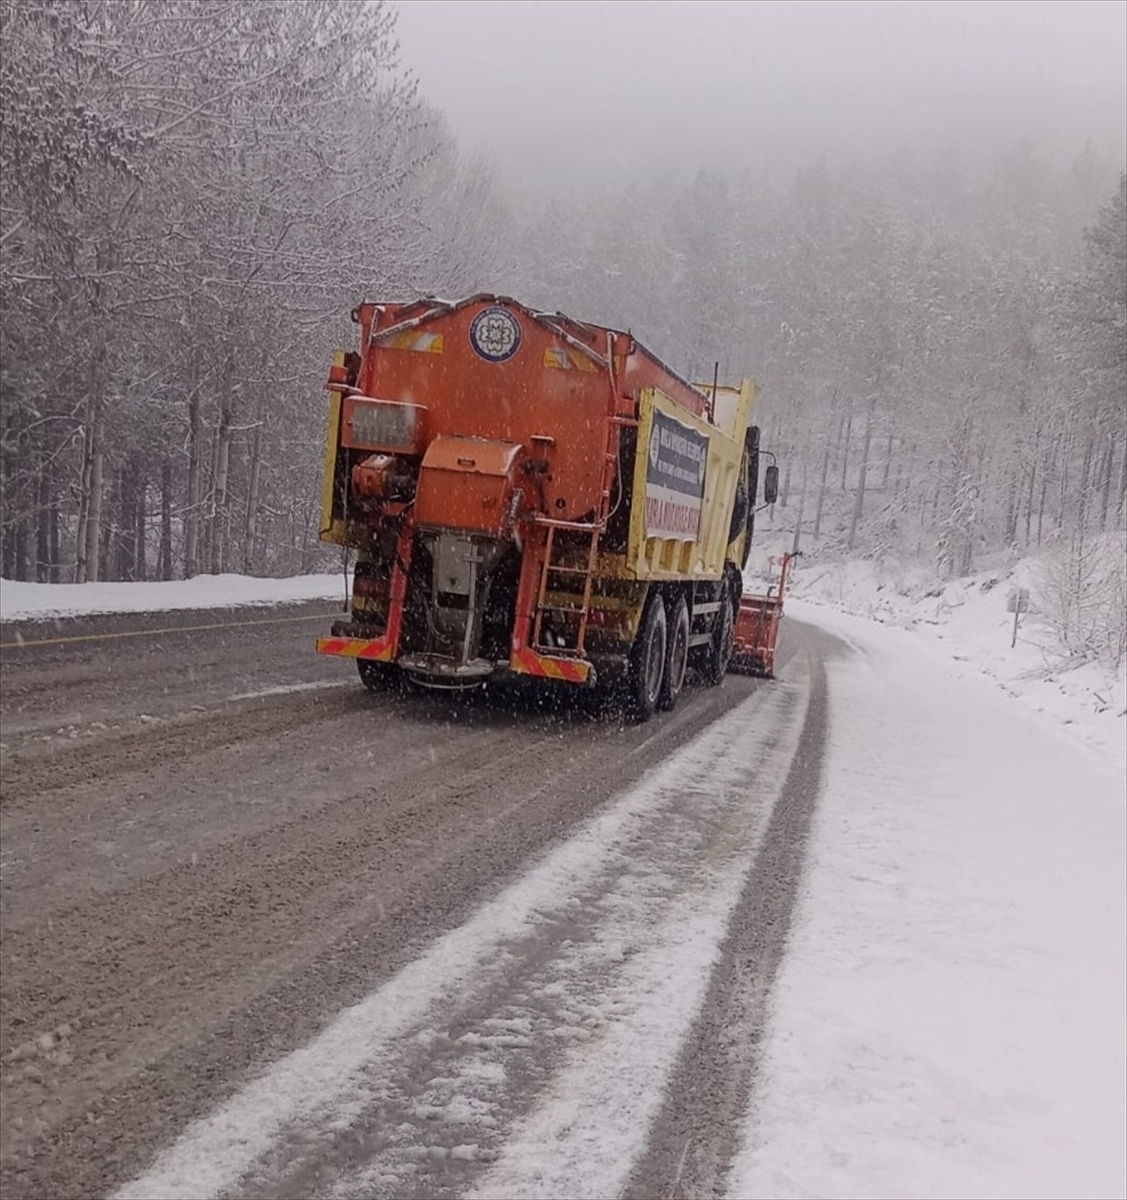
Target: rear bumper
<point>523,662</point>
<point>375,649</point>
<point>546,666</point>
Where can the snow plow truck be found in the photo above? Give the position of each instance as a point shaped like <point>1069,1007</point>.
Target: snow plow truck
<point>531,495</point>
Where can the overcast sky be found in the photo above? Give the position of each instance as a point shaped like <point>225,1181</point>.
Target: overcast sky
<point>592,91</point>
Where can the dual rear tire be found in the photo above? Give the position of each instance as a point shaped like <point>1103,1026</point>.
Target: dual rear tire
<point>676,653</point>
<point>723,643</point>
<point>376,676</point>
<point>659,658</point>
<point>647,660</point>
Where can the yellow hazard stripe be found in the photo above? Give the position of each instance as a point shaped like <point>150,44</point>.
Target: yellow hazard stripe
<point>424,343</point>
<point>377,649</point>
<point>528,662</point>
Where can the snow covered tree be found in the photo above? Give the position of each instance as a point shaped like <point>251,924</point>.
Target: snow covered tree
<point>193,196</point>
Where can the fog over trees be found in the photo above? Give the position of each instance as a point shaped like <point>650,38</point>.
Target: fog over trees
<point>194,195</point>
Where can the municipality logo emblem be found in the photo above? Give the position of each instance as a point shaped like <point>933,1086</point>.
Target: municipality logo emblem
<point>495,334</point>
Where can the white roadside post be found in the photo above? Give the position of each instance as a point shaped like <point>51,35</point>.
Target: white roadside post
<point>1017,602</point>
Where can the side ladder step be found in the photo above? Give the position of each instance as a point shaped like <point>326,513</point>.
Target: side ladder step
<point>593,530</point>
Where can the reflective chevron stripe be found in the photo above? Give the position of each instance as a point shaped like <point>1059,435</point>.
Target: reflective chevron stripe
<point>379,649</point>
<point>528,662</point>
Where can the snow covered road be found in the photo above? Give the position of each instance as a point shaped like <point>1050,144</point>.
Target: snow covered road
<point>266,934</point>
<point>214,861</point>
<point>567,997</point>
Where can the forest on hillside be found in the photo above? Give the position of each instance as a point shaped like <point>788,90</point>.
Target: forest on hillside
<point>193,196</point>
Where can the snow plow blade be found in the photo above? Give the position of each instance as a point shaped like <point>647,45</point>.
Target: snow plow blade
<point>757,628</point>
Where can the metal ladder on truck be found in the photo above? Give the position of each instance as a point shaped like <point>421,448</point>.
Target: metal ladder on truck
<point>551,567</point>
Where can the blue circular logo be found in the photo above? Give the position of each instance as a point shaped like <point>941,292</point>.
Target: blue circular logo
<point>495,334</point>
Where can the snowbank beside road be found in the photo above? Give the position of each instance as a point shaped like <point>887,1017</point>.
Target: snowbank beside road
<point>41,601</point>
<point>968,618</point>
<point>948,1020</point>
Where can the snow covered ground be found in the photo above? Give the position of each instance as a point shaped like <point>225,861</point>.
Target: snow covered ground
<point>969,620</point>
<point>949,1018</point>
<point>36,601</point>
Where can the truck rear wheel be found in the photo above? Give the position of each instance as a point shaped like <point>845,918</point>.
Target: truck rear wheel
<point>375,676</point>
<point>677,653</point>
<point>647,661</point>
<point>722,644</point>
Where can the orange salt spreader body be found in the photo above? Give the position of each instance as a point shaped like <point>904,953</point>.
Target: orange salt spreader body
<point>527,494</point>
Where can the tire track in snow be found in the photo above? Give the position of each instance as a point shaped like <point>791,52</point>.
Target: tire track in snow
<point>697,1133</point>
<point>532,1042</point>
<point>605,1130</point>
